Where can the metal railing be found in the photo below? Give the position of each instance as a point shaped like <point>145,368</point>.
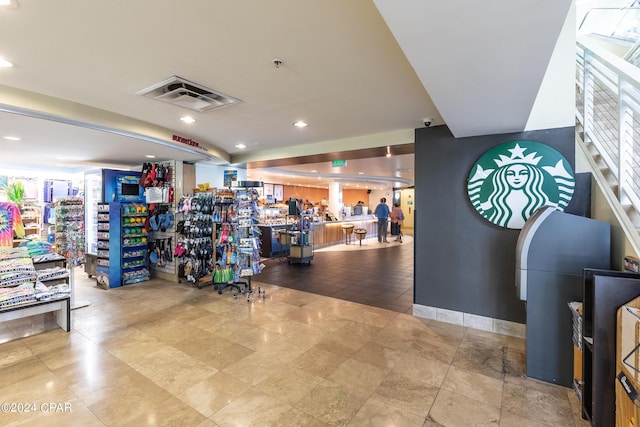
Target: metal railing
<point>608,108</point>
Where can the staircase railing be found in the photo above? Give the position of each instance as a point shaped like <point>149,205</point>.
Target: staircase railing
<point>608,109</point>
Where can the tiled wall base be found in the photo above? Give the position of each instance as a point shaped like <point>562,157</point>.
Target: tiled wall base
<point>470,320</point>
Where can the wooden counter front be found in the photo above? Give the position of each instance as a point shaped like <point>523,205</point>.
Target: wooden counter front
<point>330,232</point>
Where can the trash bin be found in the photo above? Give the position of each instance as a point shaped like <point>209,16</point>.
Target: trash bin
<point>347,229</point>
<point>361,234</point>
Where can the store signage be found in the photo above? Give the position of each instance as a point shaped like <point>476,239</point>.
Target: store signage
<point>186,141</point>
<point>509,182</point>
<point>338,163</point>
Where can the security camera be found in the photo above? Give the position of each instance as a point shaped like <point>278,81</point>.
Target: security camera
<point>427,121</point>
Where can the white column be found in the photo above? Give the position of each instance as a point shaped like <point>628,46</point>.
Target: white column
<point>335,199</point>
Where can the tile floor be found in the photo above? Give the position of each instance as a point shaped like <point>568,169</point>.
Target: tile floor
<point>382,278</point>
<point>161,353</point>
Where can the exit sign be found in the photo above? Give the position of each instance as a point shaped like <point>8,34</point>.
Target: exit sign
<point>338,163</point>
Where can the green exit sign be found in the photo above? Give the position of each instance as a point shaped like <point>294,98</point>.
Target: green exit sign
<point>338,163</point>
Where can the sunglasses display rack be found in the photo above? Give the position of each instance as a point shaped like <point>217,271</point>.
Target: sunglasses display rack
<point>122,244</point>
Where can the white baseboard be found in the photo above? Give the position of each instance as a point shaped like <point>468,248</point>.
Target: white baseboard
<point>469,320</point>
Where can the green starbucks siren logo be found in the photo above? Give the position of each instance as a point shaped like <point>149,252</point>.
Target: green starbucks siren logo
<point>510,181</point>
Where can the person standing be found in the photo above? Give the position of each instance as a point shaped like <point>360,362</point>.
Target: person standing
<point>397,217</point>
<point>382,213</point>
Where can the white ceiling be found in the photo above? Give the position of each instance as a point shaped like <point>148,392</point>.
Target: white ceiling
<point>355,70</point>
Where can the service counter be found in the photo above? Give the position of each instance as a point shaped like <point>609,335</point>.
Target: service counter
<point>330,232</point>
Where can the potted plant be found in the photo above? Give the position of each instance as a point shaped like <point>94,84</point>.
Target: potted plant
<point>16,193</point>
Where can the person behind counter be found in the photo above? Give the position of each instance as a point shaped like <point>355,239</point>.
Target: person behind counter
<point>382,213</point>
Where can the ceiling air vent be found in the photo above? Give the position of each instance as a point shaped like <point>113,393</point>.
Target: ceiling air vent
<point>184,93</point>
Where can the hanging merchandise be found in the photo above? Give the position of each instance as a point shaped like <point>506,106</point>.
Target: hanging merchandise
<point>237,241</point>
<point>69,229</point>
<point>10,224</point>
<point>195,245</point>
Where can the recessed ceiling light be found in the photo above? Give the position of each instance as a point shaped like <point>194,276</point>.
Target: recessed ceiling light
<point>313,171</point>
<point>360,173</point>
<point>5,63</point>
<point>300,124</point>
<point>12,138</point>
<point>241,146</point>
<point>9,3</point>
<point>187,119</point>
<point>150,156</point>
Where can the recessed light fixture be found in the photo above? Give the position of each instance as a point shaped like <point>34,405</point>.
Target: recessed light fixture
<point>9,3</point>
<point>360,173</point>
<point>5,63</point>
<point>187,119</point>
<point>150,156</point>
<point>300,124</point>
<point>241,146</point>
<point>388,151</point>
<point>13,138</point>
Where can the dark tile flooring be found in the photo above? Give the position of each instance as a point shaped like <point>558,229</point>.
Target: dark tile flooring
<point>376,277</point>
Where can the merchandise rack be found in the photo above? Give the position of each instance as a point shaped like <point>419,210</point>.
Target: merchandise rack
<point>237,242</point>
<point>122,244</point>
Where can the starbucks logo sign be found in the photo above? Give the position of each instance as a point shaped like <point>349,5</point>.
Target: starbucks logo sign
<point>510,181</point>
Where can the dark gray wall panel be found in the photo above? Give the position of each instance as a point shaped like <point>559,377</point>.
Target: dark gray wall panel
<point>463,262</point>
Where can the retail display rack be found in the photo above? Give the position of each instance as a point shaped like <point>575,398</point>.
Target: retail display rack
<point>122,244</point>
<point>194,248</point>
<point>237,241</point>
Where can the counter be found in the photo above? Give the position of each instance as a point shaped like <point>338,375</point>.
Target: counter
<point>330,232</point>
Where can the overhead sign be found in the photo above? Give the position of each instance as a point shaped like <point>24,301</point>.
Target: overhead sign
<point>338,163</point>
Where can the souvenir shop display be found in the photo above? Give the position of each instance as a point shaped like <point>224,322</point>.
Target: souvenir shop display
<point>69,229</point>
<point>237,241</point>
<point>122,256</point>
<point>194,248</point>
<point>27,279</point>
<point>10,224</point>
<point>69,237</point>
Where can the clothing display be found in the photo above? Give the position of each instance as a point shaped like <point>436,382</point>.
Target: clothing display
<point>10,223</point>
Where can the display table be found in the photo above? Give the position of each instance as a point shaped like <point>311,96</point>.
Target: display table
<point>61,306</point>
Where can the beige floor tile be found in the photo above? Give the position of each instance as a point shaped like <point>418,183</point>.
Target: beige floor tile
<point>539,402</point>
<point>252,408</point>
<point>434,347</point>
<point>166,353</point>
<point>131,344</point>
<point>256,367</point>
<point>332,403</point>
<point>318,361</point>
<point>455,410</point>
<point>431,372</point>
<point>210,395</point>
<point>358,376</point>
<point>474,386</point>
<point>289,384</point>
<point>295,417</point>
<point>406,393</point>
<point>21,369</point>
<point>377,413</point>
<point>14,352</point>
<point>509,419</point>
<point>485,361</point>
<point>173,370</point>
